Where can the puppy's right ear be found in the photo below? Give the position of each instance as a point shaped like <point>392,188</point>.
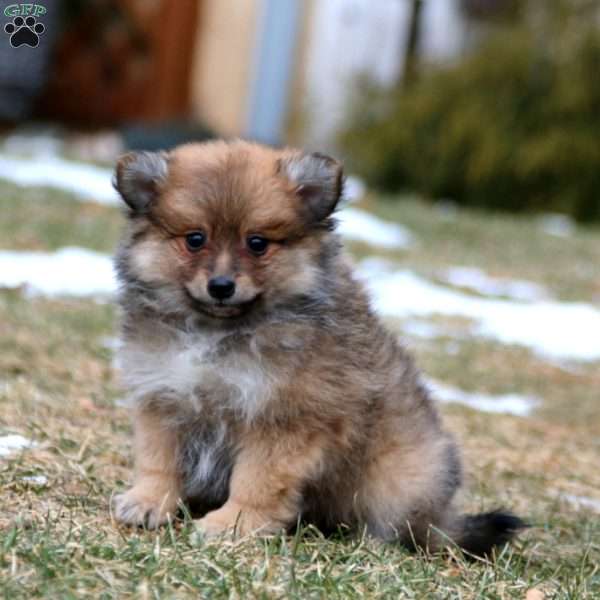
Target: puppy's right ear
<point>138,177</point>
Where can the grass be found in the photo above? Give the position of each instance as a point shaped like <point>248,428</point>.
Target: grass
<point>502,245</point>
<point>50,219</point>
<point>57,539</point>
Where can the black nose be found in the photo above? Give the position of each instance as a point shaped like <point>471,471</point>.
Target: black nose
<point>221,287</point>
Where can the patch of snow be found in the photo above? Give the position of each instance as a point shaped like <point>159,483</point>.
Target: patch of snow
<point>40,143</point>
<point>557,225</point>
<point>12,443</point>
<point>70,271</point>
<point>35,479</point>
<point>428,330</point>
<point>104,146</point>
<point>479,281</point>
<point>512,404</point>
<point>549,328</point>
<point>354,189</point>
<point>452,348</point>
<point>53,142</point>
<point>87,182</point>
<point>423,329</point>
<point>112,343</point>
<point>122,403</point>
<point>360,226</point>
<point>570,367</point>
<point>581,501</point>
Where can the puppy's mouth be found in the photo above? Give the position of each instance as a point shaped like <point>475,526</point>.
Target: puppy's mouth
<point>222,310</point>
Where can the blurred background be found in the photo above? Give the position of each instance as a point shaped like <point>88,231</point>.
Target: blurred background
<point>470,131</point>
<point>492,103</point>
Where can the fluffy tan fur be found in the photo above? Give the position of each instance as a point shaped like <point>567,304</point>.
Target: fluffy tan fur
<point>288,400</point>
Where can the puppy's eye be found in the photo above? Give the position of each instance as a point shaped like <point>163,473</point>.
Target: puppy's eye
<point>195,240</point>
<point>257,244</point>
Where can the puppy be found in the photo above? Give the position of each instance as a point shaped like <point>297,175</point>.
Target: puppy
<point>263,388</point>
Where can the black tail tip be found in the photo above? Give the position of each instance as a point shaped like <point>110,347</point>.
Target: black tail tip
<point>483,532</point>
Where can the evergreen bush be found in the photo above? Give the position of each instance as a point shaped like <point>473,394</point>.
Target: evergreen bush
<point>515,126</point>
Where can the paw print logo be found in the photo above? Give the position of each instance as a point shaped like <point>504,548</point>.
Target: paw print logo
<point>24,32</point>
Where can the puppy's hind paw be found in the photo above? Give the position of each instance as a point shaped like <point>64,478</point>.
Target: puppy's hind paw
<point>134,508</point>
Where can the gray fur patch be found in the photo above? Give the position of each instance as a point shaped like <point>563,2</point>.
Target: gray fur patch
<point>206,461</point>
<point>319,181</point>
<point>138,176</point>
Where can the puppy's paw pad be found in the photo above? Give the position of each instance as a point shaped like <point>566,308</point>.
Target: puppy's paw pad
<point>132,509</point>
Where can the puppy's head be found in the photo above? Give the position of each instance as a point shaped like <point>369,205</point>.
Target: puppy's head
<point>225,229</point>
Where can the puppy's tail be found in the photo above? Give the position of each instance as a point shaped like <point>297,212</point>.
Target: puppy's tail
<point>479,534</point>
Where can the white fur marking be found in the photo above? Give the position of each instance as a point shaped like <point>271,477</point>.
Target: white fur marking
<point>145,260</point>
<point>185,369</point>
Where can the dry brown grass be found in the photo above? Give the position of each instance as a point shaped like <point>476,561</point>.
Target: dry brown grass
<point>57,539</point>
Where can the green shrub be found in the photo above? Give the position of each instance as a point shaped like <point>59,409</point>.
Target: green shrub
<point>514,126</point>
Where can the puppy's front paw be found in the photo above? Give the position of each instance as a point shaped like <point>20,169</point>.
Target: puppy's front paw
<point>206,528</point>
<point>231,518</point>
<point>137,507</point>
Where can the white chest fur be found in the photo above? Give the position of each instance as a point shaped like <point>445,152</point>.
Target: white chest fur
<point>191,372</point>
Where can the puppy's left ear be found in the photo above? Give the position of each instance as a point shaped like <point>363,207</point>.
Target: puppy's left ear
<point>318,179</point>
<point>138,177</point>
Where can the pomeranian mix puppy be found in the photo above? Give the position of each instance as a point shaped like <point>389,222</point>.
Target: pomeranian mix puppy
<point>263,387</point>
